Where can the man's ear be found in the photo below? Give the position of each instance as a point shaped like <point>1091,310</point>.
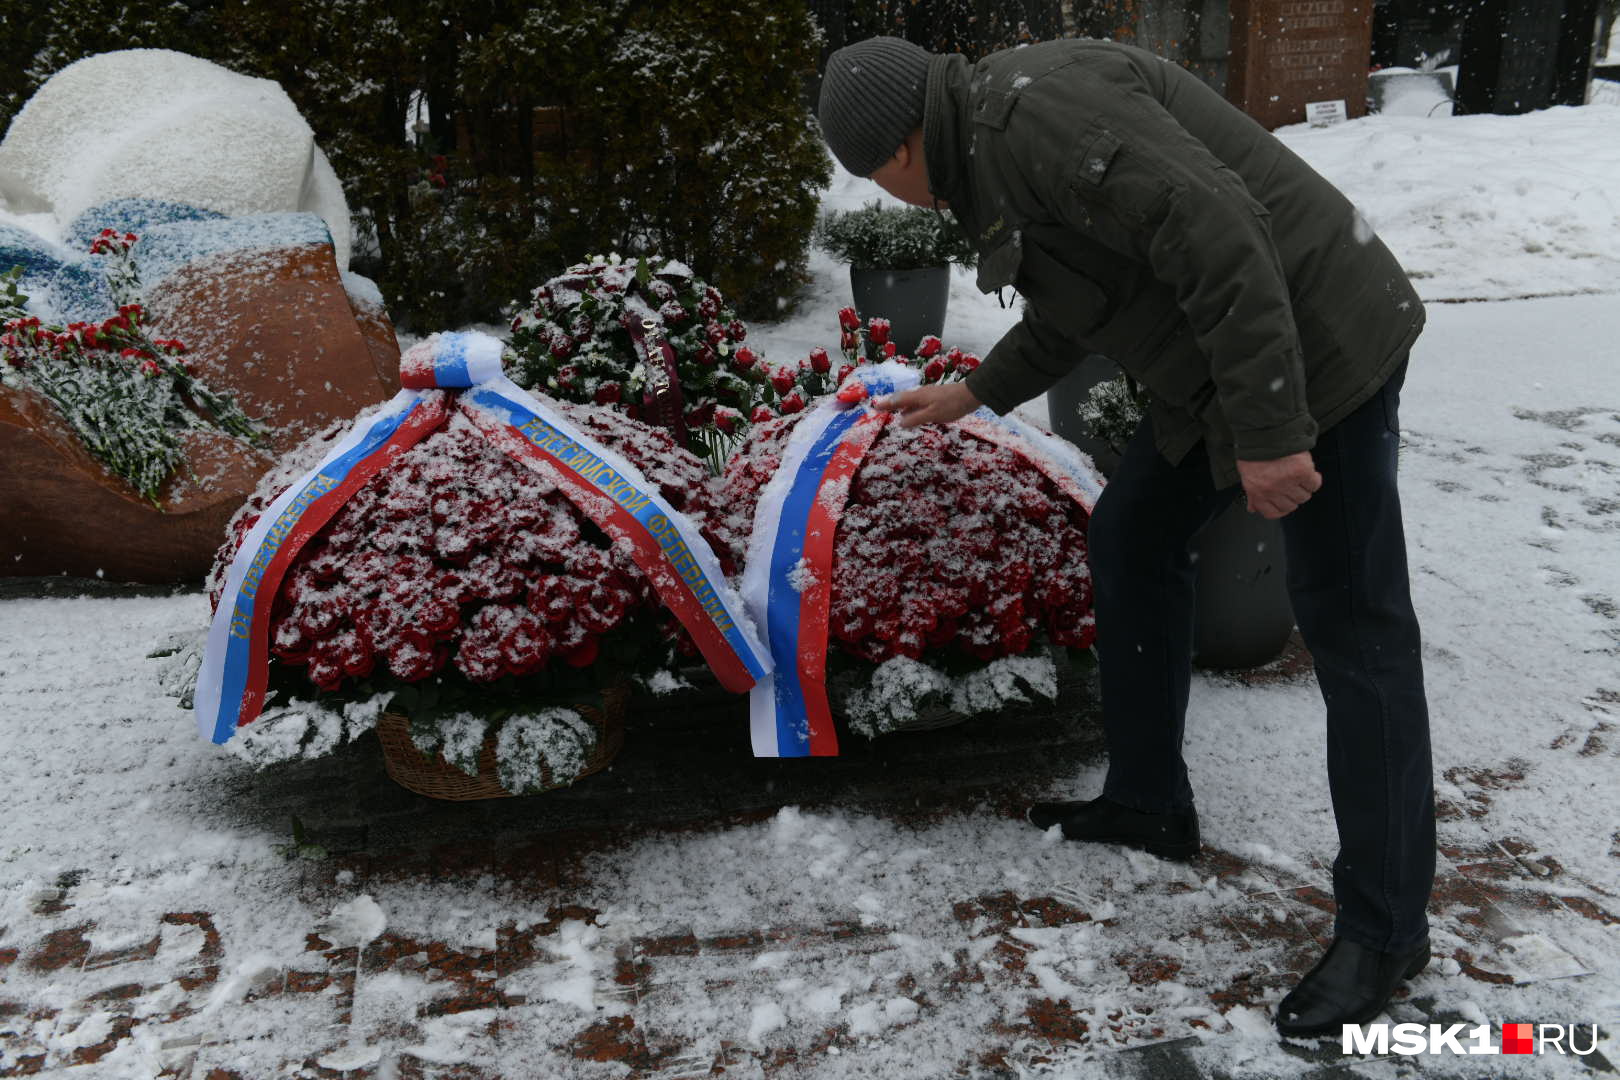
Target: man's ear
<point>902,154</point>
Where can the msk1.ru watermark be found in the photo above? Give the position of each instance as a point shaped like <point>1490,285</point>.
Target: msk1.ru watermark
<point>1411,1039</point>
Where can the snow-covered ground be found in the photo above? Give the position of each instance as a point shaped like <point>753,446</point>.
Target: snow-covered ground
<point>1512,480</point>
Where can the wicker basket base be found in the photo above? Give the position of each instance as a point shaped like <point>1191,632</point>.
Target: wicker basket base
<point>431,775</point>
<point>934,719</point>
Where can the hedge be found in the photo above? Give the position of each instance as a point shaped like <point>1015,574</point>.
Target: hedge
<point>546,133</point>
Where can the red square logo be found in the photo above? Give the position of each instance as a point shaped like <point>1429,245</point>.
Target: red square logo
<point>1518,1039</point>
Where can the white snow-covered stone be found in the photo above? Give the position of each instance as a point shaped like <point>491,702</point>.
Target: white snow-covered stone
<point>159,124</point>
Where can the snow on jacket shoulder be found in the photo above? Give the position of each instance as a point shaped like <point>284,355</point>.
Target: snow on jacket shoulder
<point>1145,218</point>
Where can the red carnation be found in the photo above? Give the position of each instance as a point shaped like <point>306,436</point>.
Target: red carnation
<point>792,403</point>
<point>877,330</point>
<point>584,654</point>
<point>608,393</point>
<point>848,320</point>
<point>762,414</point>
<point>991,552</point>
<point>783,380</point>
<point>934,370</point>
<point>819,361</point>
<point>417,574</point>
<point>929,346</point>
<point>745,358</point>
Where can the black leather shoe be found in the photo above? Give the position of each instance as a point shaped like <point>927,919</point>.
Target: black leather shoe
<point>1351,984</point>
<point>1169,836</point>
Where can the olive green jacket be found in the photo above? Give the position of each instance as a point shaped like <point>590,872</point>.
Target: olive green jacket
<point>1143,217</point>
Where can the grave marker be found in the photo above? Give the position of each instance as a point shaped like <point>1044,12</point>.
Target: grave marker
<point>1288,53</point>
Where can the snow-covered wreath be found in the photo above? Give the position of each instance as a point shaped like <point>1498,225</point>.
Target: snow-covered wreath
<point>486,574</point>
<point>959,569</point>
<point>468,592</point>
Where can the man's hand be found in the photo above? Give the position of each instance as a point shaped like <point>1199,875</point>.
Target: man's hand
<point>937,404</point>
<point>1277,488</point>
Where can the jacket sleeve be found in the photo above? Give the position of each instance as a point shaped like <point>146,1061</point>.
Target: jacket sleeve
<point>1024,364</point>
<point>1196,225</point>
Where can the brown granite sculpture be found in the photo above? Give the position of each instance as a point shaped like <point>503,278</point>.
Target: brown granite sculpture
<point>277,329</point>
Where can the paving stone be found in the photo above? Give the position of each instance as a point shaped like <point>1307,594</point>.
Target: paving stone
<point>1159,1061</point>
<point>1277,921</point>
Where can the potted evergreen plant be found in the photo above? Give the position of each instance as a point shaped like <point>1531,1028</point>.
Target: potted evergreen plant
<point>899,265</point>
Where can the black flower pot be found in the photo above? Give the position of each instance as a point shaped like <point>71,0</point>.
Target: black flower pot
<point>912,300</point>
<point>1243,615</point>
<point>1068,395</point>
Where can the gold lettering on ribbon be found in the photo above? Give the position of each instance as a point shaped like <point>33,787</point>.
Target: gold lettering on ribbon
<point>241,622</point>
<point>278,533</point>
<point>621,491</point>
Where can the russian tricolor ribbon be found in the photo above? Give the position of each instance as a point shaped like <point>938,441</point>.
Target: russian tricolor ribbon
<point>788,579</point>
<point>235,668</point>
<point>610,491</point>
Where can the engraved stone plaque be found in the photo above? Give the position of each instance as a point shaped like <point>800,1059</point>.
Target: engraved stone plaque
<point>1521,55</point>
<point>1286,53</point>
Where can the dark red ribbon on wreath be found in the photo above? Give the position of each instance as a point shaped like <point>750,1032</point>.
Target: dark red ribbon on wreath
<point>661,403</point>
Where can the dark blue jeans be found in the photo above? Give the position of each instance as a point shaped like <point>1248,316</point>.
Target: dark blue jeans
<point>1347,579</point>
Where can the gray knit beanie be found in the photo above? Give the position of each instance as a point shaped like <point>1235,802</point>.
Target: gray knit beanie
<point>871,99</point>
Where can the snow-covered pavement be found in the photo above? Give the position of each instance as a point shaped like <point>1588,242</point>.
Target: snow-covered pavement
<point>157,919</point>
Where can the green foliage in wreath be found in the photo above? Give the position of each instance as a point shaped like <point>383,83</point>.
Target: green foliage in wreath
<point>128,395</point>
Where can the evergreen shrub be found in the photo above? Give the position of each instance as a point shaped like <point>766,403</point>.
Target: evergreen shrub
<point>878,237</point>
<point>681,133</point>
<point>676,130</point>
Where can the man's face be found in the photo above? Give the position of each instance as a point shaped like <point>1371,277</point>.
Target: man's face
<point>905,175</point>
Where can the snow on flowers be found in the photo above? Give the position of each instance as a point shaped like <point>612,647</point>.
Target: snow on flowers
<point>579,340</point>
<point>128,395</point>
<point>582,339</point>
<point>458,582</point>
<point>468,591</point>
<point>956,560</point>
